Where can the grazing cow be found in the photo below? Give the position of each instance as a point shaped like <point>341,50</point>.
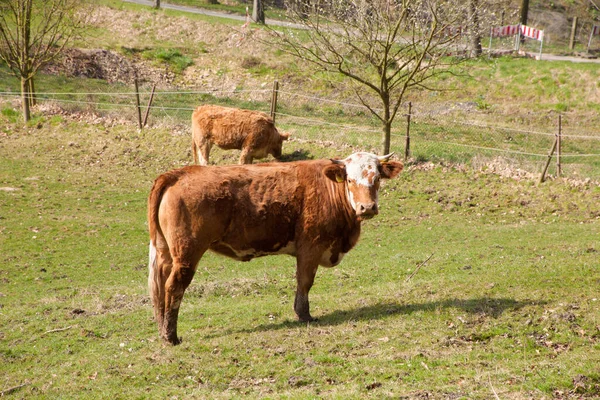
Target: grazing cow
<point>311,210</point>
<point>253,132</point>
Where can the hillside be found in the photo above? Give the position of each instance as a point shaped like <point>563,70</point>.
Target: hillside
<point>224,56</point>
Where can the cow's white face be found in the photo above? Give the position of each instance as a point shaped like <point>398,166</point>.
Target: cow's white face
<point>362,173</point>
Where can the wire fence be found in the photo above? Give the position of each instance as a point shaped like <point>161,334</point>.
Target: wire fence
<point>436,132</point>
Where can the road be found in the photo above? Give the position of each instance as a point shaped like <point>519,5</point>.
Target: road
<point>274,22</point>
<point>220,14</point>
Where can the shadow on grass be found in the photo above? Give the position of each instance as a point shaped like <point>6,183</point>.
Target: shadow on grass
<point>297,155</point>
<point>493,307</point>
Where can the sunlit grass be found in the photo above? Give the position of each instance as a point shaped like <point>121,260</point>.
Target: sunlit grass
<point>509,288</point>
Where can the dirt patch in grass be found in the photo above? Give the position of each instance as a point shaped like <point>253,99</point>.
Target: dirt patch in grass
<point>109,66</point>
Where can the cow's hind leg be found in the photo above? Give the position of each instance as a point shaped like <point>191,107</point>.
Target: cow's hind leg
<point>182,273</point>
<point>159,269</point>
<point>306,270</point>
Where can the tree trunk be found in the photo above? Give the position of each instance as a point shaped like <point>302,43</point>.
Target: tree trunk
<point>25,98</point>
<point>157,4</point>
<point>32,97</point>
<point>387,133</point>
<point>258,12</point>
<point>524,11</point>
<point>475,33</point>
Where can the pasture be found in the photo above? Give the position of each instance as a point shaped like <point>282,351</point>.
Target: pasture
<point>507,305</point>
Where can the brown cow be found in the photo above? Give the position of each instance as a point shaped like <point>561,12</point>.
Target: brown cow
<point>253,132</point>
<point>311,210</point>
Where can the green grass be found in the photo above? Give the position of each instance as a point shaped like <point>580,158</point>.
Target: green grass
<point>507,303</point>
<point>171,57</point>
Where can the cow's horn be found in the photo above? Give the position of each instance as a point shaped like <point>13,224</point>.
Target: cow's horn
<point>337,161</point>
<point>386,158</point>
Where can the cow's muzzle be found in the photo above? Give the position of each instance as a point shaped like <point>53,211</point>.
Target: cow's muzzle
<point>366,210</point>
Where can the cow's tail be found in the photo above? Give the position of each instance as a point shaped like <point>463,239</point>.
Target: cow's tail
<point>155,275</point>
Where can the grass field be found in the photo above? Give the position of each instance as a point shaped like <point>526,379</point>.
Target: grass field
<point>506,307</point>
<point>507,304</point>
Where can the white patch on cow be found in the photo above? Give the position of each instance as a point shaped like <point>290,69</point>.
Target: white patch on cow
<point>152,269</point>
<point>152,258</point>
<point>350,198</point>
<point>326,258</point>
<point>362,169</point>
<point>289,249</point>
<point>359,166</point>
<point>201,159</point>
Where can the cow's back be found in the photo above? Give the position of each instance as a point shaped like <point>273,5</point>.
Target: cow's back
<point>231,128</point>
<point>248,210</point>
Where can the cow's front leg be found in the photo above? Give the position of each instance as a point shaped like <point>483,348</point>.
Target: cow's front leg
<point>203,152</point>
<point>246,156</point>
<point>306,270</point>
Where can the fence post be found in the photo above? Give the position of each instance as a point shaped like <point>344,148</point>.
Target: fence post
<point>558,144</point>
<point>137,103</point>
<point>274,99</point>
<point>573,30</point>
<point>543,176</point>
<point>149,104</point>
<point>407,145</point>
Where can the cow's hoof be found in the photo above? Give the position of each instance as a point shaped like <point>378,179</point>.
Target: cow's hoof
<point>306,319</point>
<point>173,340</point>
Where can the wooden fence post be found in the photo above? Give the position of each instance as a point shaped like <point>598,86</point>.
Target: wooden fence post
<point>149,105</point>
<point>573,31</point>
<point>137,103</point>
<point>274,99</point>
<point>407,144</point>
<point>558,145</point>
<point>543,176</point>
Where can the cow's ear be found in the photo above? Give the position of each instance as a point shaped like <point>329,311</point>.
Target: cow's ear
<point>335,172</point>
<point>284,135</point>
<point>390,169</point>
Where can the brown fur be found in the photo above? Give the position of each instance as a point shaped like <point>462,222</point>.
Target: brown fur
<point>300,209</point>
<point>253,132</point>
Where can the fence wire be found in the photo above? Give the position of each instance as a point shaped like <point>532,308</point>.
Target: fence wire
<point>437,132</point>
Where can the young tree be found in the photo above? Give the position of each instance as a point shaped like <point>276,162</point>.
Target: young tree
<point>384,47</point>
<point>32,34</point>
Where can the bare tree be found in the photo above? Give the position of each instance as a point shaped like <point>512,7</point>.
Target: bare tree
<point>32,34</point>
<point>384,47</point>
